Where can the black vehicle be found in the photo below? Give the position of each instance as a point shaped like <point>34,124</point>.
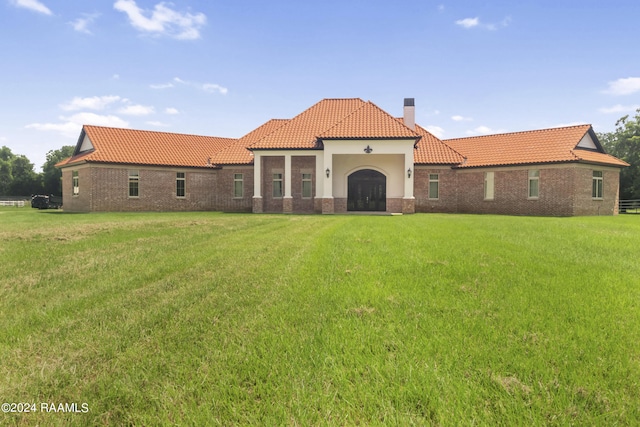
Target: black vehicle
<point>41,201</point>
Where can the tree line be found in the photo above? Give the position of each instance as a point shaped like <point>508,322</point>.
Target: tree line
<point>19,178</point>
<point>624,143</point>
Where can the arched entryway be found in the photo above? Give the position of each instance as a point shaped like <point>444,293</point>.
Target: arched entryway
<point>367,191</point>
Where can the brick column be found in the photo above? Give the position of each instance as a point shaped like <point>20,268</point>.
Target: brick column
<point>257,204</point>
<point>408,205</point>
<point>327,205</point>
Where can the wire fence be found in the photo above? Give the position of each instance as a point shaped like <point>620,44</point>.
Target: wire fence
<point>629,206</point>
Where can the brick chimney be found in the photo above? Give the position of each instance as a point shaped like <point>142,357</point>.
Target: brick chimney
<point>410,113</point>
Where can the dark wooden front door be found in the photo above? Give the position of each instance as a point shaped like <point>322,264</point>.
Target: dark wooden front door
<point>367,191</point>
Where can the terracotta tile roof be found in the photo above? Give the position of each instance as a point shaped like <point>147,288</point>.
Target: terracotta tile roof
<point>302,131</point>
<point>538,146</point>
<point>432,151</point>
<point>368,121</point>
<point>236,153</point>
<point>128,146</point>
<point>588,156</point>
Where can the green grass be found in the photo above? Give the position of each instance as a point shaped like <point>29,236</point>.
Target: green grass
<point>233,319</point>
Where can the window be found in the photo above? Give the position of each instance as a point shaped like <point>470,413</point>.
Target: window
<point>596,189</point>
<point>75,180</point>
<point>134,180</point>
<point>434,186</point>
<point>534,183</point>
<point>306,186</point>
<point>277,185</point>
<point>488,185</point>
<point>238,185</point>
<point>180,184</point>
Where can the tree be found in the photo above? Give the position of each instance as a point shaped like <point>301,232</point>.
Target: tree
<point>624,143</point>
<point>6,175</point>
<point>51,176</point>
<point>25,180</point>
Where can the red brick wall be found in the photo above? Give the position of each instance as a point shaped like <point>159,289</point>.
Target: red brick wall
<point>225,200</point>
<point>447,198</point>
<point>511,188</point>
<point>106,188</point>
<point>584,203</point>
<point>298,164</point>
<point>269,165</point>
<point>563,190</point>
<point>81,202</point>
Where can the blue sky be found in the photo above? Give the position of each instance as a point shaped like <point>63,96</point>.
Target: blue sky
<point>223,68</point>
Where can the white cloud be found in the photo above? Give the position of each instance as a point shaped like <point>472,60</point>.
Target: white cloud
<point>619,108</point>
<point>33,5</point>
<point>163,20</point>
<point>468,22</point>
<point>91,103</point>
<point>207,87</point>
<point>440,7</point>
<point>161,86</point>
<point>116,77</point>
<point>435,130</point>
<point>137,110</point>
<point>458,118</point>
<point>82,24</point>
<point>70,126</point>
<point>624,86</point>
<point>484,130</point>
<point>475,22</point>
<point>171,111</point>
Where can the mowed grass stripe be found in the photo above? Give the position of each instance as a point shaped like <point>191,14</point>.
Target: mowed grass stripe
<point>259,319</point>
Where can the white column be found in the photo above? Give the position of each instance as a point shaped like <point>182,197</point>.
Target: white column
<point>328,182</point>
<point>257,175</point>
<point>408,182</point>
<point>320,176</point>
<point>287,176</point>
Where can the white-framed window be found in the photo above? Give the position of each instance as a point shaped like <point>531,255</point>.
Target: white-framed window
<point>307,185</point>
<point>238,185</point>
<point>134,183</point>
<point>76,182</point>
<point>534,183</point>
<point>180,184</point>
<point>434,186</point>
<point>488,185</point>
<point>597,185</point>
<point>277,185</point>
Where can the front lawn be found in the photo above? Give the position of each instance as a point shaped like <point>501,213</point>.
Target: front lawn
<point>234,319</point>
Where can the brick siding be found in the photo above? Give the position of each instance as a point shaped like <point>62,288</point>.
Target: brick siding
<point>564,190</point>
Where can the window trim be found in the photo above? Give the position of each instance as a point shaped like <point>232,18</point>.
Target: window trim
<point>535,178</point>
<point>235,181</point>
<point>75,183</point>
<point>435,181</point>
<point>305,180</point>
<point>183,180</point>
<point>134,178</point>
<point>489,184</point>
<point>280,179</point>
<point>597,185</point>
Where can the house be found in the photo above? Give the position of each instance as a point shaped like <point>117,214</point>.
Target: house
<point>339,156</point>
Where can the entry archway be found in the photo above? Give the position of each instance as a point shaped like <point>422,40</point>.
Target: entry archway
<point>367,191</point>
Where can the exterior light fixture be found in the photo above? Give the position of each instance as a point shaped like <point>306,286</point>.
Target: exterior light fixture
<point>328,172</point>
<point>409,173</point>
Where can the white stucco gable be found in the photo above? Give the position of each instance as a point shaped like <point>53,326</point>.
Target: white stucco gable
<point>587,142</point>
<point>86,144</point>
